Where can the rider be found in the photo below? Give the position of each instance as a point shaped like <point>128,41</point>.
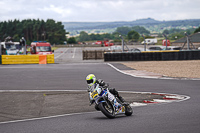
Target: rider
<point>92,83</point>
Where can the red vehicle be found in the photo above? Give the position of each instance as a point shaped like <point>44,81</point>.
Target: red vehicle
<point>106,43</point>
<point>42,48</point>
<point>98,42</point>
<point>164,42</point>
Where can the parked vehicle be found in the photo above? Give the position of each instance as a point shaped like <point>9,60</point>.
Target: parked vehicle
<point>115,48</point>
<point>172,48</point>
<point>19,47</point>
<point>104,43</point>
<point>42,48</point>
<point>106,102</point>
<point>150,41</point>
<point>139,49</point>
<point>10,48</point>
<point>155,48</point>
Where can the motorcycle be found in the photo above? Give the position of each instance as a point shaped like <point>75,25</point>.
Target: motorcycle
<point>107,103</point>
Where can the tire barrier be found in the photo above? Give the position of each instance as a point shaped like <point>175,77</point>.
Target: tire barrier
<point>27,59</point>
<point>153,56</point>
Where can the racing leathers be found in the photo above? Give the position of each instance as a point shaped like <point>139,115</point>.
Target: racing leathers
<point>102,84</point>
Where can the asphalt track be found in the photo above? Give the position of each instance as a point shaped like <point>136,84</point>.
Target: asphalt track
<point>176,117</point>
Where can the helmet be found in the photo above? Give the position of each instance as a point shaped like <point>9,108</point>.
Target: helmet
<point>91,79</point>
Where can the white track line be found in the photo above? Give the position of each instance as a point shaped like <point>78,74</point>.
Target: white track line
<point>74,53</point>
<point>151,77</point>
<point>41,118</point>
<point>61,53</point>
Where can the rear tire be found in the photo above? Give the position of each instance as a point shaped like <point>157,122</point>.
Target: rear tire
<point>128,110</point>
<point>108,112</point>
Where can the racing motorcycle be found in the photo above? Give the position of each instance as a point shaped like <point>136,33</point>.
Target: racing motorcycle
<point>107,103</point>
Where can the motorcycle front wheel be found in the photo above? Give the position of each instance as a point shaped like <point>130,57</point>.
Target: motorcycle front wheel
<point>108,111</point>
<point>128,110</point>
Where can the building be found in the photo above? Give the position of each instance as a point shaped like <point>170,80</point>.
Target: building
<point>194,39</point>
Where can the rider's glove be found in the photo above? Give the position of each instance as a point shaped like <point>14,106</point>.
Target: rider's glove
<point>91,102</point>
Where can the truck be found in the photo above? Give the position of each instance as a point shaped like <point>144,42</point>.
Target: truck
<point>10,48</point>
<point>19,47</point>
<point>150,41</point>
<point>41,48</point>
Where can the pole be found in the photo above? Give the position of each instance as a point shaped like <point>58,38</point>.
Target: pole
<point>0,48</point>
<point>144,43</point>
<point>188,44</point>
<point>166,41</point>
<point>23,39</point>
<point>122,43</point>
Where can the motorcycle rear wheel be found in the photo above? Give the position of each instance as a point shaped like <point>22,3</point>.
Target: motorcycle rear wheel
<point>106,110</point>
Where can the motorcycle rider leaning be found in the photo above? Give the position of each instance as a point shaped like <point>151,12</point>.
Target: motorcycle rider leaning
<point>92,83</point>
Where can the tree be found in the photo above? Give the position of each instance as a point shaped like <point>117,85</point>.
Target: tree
<point>84,36</point>
<point>33,30</point>
<point>175,36</point>
<point>197,30</point>
<point>123,30</point>
<point>133,35</point>
<point>166,32</point>
<point>71,40</point>
<point>141,30</point>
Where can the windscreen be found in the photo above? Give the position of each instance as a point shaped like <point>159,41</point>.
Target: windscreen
<point>10,46</point>
<point>43,49</point>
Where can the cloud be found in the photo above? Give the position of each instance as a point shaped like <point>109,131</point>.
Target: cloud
<point>99,10</point>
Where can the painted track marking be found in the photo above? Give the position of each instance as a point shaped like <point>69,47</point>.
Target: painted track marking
<point>60,54</point>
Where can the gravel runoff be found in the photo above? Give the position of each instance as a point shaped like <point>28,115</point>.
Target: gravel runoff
<point>179,69</point>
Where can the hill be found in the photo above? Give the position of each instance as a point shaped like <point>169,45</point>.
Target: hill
<point>149,23</point>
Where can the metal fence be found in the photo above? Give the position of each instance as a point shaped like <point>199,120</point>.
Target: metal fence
<point>95,54</point>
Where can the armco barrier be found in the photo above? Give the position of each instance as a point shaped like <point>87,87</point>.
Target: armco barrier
<point>153,56</point>
<point>20,59</point>
<point>24,59</point>
<point>50,59</point>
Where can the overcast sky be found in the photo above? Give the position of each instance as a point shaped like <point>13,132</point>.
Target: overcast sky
<point>99,10</point>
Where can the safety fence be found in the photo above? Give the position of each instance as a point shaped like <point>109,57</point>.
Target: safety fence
<point>95,54</point>
<point>153,56</point>
<point>27,59</point>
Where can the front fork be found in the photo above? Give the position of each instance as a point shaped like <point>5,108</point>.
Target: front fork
<point>105,99</point>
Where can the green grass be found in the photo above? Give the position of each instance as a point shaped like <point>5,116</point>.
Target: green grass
<point>54,48</point>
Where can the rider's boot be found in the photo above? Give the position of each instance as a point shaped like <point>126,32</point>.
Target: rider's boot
<point>121,99</point>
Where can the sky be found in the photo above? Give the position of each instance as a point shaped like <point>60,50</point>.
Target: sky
<point>99,10</point>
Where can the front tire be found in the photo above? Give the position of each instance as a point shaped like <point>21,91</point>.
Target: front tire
<point>106,110</point>
<point>128,110</point>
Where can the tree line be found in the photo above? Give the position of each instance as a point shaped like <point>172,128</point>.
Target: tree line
<point>130,33</point>
<point>33,30</point>
<point>175,34</point>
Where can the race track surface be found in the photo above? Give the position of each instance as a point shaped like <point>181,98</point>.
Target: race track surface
<point>176,117</point>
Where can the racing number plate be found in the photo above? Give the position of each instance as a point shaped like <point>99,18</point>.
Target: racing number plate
<point>94,94</point>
